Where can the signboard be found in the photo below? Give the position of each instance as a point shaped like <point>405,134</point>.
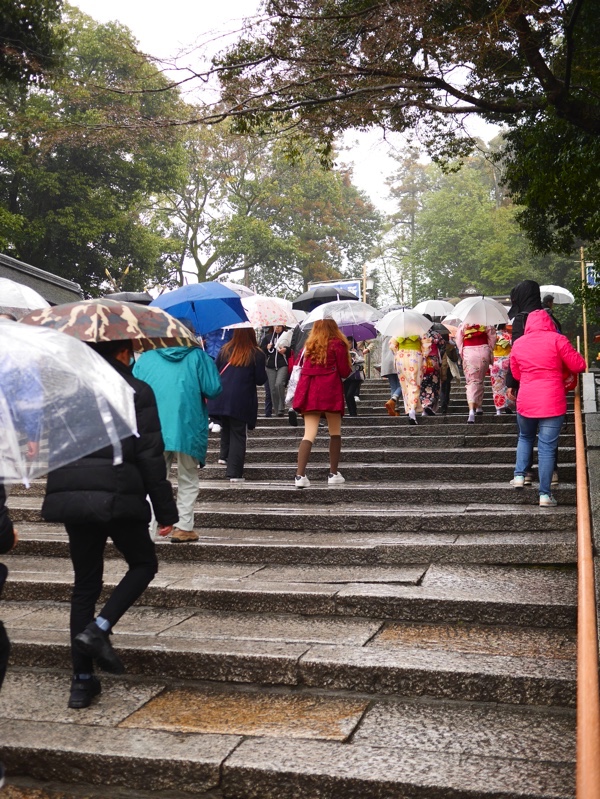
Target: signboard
<point>354,286</point>
<point>591,275</point>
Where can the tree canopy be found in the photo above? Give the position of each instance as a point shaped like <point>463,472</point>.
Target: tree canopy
<point>31,40</point>
<point>324,66</point>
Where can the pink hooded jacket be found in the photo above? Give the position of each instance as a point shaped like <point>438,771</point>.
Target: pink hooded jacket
<point>539,360</point>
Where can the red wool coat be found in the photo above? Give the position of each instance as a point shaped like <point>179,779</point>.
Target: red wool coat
<point>320,388</point>
<point>540,359</point>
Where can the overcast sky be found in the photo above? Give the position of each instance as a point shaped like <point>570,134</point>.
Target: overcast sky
<point>168,29</point>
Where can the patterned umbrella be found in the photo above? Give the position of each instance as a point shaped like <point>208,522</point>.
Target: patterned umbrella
<point>108,320</point>
<point>265,311</point>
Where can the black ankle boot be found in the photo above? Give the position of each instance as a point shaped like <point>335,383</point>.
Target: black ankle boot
<point>83,691</point>
<point>95,643</point>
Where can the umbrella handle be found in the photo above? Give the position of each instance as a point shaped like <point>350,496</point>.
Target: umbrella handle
<point>111,430</point>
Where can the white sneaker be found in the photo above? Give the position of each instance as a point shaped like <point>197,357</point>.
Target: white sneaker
<point>518,481</point>
<point>237,479</point>
<point>221,462</point>
<point>356,399</point>
<point>216,428</point>
<point>335,479</point>
<point>301,481</point>
<point>547,501</point>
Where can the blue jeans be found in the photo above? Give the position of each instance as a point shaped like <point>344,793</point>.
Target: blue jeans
<point>548,431</point>
<point>394,382</point>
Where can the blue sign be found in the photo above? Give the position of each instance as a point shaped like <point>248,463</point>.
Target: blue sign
<point>354,286</point>
<point>591,275</point>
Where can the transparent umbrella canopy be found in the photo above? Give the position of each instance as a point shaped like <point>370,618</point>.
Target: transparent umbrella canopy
<point>404,322</point>
<point>344,312</point>
<point>478,311</point>
<point>14,297</point>
<point>561,296</point>
<point>59,401</point>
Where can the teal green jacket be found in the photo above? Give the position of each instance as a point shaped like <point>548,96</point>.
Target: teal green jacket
<point>182,378</point>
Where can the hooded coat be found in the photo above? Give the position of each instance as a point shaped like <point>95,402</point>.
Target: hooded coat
<point>182,379</point>
<point>320,388</point>
<point>525,298</point>
<point>239,398</point>
<point>539,360</point>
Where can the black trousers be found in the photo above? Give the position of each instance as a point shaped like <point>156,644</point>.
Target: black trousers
<point>233,445</point>
<point>351,389</point>
<point>86,544</point>
<point>4,652</point>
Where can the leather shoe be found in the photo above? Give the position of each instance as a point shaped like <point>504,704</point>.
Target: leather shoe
<point>83,691</point>
<point>95,643</point>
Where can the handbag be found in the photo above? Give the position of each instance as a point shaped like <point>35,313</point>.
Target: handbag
<point>294,379</point>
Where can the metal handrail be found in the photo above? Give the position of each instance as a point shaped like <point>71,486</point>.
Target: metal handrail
<point>588,694</point>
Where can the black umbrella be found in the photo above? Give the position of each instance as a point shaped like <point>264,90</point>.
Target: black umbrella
<point>312,298</point>
<point>140,297</point>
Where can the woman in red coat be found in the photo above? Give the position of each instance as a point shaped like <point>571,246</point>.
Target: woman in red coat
<point>320,391</point>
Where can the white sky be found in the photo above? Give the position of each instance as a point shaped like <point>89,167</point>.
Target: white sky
<point>166,29</point>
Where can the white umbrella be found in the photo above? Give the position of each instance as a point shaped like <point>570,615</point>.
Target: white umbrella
<point>478,310</point>
<point>241,291</point>
<point>404,322</point>
<point>265,311</point>
<point>439,308</point>
<point>16,297</point>
<point>343,312</point>
<point>561,296</point>
<point>59,401</point>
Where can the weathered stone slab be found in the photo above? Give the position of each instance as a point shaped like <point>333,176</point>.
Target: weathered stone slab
<point>409,575</point>
<point>266,769</point>
<point>132,758</point>
<point>250,713</point>
<point>444,674</point>
<point>35,696</point>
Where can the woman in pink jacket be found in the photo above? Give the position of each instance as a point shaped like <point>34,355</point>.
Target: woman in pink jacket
<point>540,360</point>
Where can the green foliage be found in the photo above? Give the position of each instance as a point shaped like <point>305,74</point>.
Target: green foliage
<point>73,192</point>
<point>31,40</point>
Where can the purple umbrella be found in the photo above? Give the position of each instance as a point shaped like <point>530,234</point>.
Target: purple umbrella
<point>360,331</point>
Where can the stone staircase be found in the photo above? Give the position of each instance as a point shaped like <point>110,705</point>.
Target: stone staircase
<point>408,634</point>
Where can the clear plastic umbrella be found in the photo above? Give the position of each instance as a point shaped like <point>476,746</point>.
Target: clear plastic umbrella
<point>241,291</point>
<point>561,296</point>
<point>404,322</point>
<point>478,311</point>
<point>344,312</point>
<point>59,401</point>
<point>439,308</point>
<point>16,297</point>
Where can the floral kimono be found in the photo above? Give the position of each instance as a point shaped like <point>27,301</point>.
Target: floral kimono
<point>498,371</point>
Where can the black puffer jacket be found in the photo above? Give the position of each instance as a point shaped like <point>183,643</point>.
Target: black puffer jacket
<point>92,490</point>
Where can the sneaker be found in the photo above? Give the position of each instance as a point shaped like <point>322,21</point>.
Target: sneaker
<point>528,479</point>
<point>222,462</point>
<point>554,479</point>
<point>518,481</point>
<point>237,479</point>
<point>83,691</point>
<point>478,412</point>
<point>547,501</point>
<point>95,643</point>
<point>391,407</point>
<point>293,417</point>
<point>335,479</point>
<point>216,428</point>
<point>301,481</point>
<point>356,399</point>
<point>183,536</point>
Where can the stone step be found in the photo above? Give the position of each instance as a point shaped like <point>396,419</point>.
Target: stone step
<point>238,742</point>
<point>363,517</point>
<point>368,416</point>
<point>445,593</point>
<point>349,493</point>
<point>325,549</point>
<point>537,666</point>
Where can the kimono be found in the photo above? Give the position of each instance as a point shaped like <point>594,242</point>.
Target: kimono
<point>498,372</point>
<point>408,362</point>
<point>475,344</point>
<point>434,347</point>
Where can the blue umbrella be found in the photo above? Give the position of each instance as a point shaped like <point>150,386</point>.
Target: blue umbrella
<point>208,306</point>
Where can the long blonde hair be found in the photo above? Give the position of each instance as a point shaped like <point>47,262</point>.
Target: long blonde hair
<point>320,336</point>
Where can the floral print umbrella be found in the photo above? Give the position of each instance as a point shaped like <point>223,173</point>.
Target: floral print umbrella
<point>108,320</point>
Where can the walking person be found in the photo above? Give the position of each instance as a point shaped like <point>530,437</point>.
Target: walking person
<point>241,365</point>
<point>475,345</point>
<point>540,360</point>
<point>182,379</point>
<point>434,347</point>
<point>353,382</point>
<point>408,360</point>
<point>277,367</point>
<point>97,500</point>
<point>387,369</point>
<point>548,306</point>
<point>320,391</point>
<point>8,539</point>
<point>499,370</point>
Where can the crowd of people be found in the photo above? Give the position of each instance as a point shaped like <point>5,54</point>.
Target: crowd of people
<point>178,389</point>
